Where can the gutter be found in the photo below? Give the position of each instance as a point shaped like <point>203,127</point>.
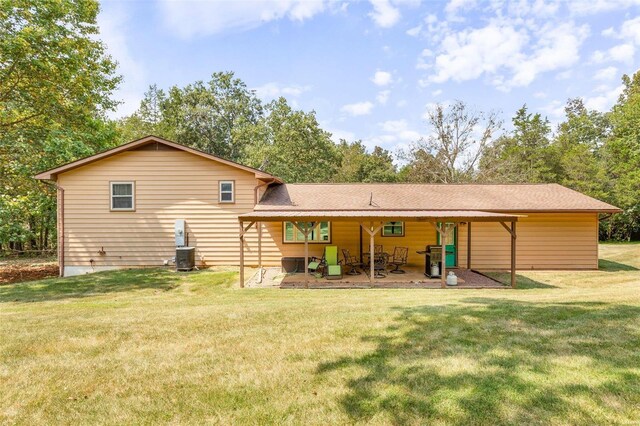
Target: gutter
<point>60,217</point>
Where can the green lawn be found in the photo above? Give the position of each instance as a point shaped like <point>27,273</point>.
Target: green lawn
<point>154,346</point>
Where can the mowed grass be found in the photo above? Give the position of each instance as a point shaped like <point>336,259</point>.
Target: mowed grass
<point>154,346</point>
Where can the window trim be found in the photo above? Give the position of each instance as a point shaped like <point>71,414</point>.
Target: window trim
<point>233,192</point>
<point>284,234</point>
<point>382,234</point>
<point>133,195</point>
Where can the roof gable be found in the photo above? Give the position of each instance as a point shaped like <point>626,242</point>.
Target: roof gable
<point>140,144</point>
<point>380,196</point>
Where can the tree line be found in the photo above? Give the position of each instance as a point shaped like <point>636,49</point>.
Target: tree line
<point>57,85</point>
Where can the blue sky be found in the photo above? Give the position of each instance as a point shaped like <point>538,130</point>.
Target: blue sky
<point>371,69</point>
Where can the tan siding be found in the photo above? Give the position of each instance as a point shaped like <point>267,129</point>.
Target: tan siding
<point>174,185</point>
<point>170,185</point>
<point>545,241</point>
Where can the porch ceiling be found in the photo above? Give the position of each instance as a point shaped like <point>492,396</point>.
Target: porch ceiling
<point>378,215</point>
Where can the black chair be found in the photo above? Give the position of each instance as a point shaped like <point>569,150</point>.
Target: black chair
<point>380,263</point>
<point>352,262</point>
<point>399,259</point>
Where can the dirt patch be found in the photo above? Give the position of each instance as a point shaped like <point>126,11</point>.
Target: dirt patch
<point>18,270</point>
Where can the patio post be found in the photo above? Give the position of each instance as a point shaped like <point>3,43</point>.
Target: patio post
<point>469,245</point>
<point>241,255</point>
<point>243,230</point>
<point>513,255</point>
<point>305,231</point>
<point>512,231</point>
<point>372,232</point>
<point>443,242</point>
<point>259,226</point>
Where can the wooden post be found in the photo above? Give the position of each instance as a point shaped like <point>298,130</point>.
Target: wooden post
<point>372,232</point>
<point>259,226</point>
<point>241,255</point>
<point>243,230</point>
<point>443,242</point>
<point>372,249</point>
<point>513,254</point>
<point>468,245</point>
<point>306,229</point>
<point>306,255</point>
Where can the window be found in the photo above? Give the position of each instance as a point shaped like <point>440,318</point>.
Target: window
<point>321,233</point>
<point>393,229</point>
<point>226,191</point>
<point>122,196</point>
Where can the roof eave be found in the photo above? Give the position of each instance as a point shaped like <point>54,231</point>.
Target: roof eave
<point>51,174</point>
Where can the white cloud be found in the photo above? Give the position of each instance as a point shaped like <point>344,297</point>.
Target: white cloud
<point>274,90</point>
<point>382,78</point>
<point>507,52</point>
<point>401,103</point>
<point>384,14</point>
<point>114,21</point>
<point>468,54</point>
<point>603,101</point>
<point>415,31</point>
<point>608,73</point>
<point>383,96</point>
<point>630,30</point>
<point>540,95</point>
<point>358,108</point>
<point>554,110</point>
<point>620,53</point>
<point>397,130</point>
<point>197,18</point>
<point>593,7</point>
<point>437,92</point>
<point>337,134</point>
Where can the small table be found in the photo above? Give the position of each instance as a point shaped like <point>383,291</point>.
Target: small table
<point>378,267</point>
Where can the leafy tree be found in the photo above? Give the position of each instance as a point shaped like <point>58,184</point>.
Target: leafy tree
<point>56,83</point>
<point>358,165</point>
<point>524,155</point>
<point>578,145</point>
<point>290,144</point>
<point>459,138</point>
<point>622,159</point>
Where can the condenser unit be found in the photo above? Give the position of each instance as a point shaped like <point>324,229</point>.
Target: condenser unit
<point>185,258</point>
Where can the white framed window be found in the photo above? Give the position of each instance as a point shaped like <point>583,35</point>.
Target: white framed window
<point>123,196</point>
<point>321,233</point>
<point>393,229</point>
<point>226,191</point>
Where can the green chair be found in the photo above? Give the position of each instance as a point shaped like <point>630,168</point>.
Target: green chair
<point>333,269</point>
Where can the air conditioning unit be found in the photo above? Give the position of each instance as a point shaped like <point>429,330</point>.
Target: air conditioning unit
<point>185,258</point>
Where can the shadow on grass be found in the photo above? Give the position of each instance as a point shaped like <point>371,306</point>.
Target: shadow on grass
<point>611,266</point>
<point>491,361</point>
<point>522,282</point>
<point>89,285</point>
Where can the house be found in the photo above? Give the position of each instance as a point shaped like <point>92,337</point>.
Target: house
<point>118,209</point>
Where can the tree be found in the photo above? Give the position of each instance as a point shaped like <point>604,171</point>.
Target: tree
<point>577,146</point>
<point>524,155</point>
<point>290,144</point>
<point>358,165</point>
<point>459,137</point>
<point>622,159</point>
<point>52,69</point>
<point>56,83</point>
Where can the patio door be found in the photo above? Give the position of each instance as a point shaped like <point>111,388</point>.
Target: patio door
<point>452,248</point>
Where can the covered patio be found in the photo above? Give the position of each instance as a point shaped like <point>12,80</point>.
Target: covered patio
<point>371,222</point>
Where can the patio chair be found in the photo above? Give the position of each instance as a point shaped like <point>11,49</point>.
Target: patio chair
<point>333,270</point>
<point>380,265</point>
<point>399,259</point>
<point>352,262</point>
<point>317,264</point>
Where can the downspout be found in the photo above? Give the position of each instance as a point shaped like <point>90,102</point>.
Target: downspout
<point>60,220</point>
